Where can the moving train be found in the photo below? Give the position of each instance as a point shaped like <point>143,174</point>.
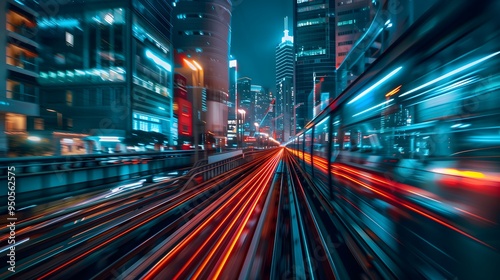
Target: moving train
<point>409,153</point>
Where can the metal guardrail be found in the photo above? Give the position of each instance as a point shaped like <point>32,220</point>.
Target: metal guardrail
<point>209,171</point>
<point>30,165</point>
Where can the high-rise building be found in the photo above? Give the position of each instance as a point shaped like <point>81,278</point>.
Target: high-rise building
<point>325,31</point>
<point>232,104</point>
<point>233,84</point>
<point>246,102</point>
<point>262,99</point>
<point>202,32</point>
<point>107,69</point>
<point>19,98</point>
<point>352,20</point>
<point>314,40</point>
<point>284,86</point>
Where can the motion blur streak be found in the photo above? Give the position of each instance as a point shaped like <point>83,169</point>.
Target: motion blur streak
<point>405,204</point>
<point>419,153</point>
<point>215,231</point>
<point>251,210</point>
<point>247,191</point>
<point>101,245</point>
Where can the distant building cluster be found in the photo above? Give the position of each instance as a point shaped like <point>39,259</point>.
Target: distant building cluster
<point>85,76</point>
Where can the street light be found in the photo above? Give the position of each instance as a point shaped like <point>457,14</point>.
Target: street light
<point>256,127</point>
<point>242,112</point>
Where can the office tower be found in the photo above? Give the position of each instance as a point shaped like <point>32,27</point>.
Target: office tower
<point>284,85</point>
<point>314,40</point>
<point>262,99</point>
<point>18,70</point>
<point>352,20</point>
<point>246,102</point>
<point>232,104</point>
<point>202,32</point>
<point>107,69</point>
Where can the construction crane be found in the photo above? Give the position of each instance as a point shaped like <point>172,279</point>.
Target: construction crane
<point>269,110</point>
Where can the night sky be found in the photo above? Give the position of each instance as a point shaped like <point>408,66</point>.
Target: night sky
<point>257,27</point>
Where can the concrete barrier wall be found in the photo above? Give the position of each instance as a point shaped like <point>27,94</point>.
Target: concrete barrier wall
<point>219,157</point>
<point>32,185</point>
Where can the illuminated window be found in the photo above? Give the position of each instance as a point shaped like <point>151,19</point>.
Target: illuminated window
<point>70,39</point>
<point>309,22</point>
<point>143,126</point>
<point>346,22</point>
<point>69,98</point>
<point>155,127</point>
<point>38,124</point>
<point>318,51</point>
<point>311,8</point>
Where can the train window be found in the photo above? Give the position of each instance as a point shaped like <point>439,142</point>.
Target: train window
<point>321,138</point>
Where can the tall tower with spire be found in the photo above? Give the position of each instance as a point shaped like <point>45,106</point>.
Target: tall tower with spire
<point>285,99</point>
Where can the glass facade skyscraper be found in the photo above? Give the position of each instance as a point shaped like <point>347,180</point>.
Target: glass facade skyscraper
<point>246,101</point>
<point>107,68</point>
<point>284,86</point>
<point>314,40</point>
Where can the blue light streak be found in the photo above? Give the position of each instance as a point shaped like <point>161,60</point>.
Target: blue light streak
<point>375,85</point>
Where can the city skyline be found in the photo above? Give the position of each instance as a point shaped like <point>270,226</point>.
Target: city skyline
<point>252,36</point>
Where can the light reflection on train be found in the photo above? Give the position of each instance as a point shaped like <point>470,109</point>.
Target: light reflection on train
<point>411,159</point>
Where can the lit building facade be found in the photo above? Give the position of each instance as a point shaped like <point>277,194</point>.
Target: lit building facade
<point>314,40</point>
<point>183,110</point>
<point>19,98</point>
<point>284,86</point>
<point>232,103</point>
<point>262,99</point>
<point>352,20</point>
<point>106,69</point>
<point>246,101</point>
<point>202,32</point>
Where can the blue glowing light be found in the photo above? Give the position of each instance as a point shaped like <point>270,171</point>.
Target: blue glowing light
<point>374,107</point>
<point>159,61</point>
<point>449,74</point>
<point>375,85</point>
<point>59,22</point>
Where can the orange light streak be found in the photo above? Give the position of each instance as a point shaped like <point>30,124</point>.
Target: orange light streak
<point>394,91</point>
<point>242,226</point>
<point>117,236</point>
<point>408,206</point>
<point>244,200</point>
<point>161,263</point>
